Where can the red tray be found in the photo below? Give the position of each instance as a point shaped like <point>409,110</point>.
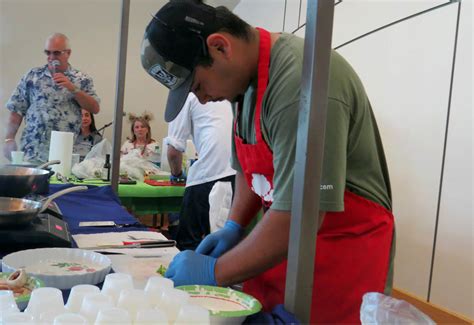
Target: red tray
<point>154,182</point>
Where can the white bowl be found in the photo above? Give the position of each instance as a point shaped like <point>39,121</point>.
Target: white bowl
<point>225,305</point>
<point>60,268</point>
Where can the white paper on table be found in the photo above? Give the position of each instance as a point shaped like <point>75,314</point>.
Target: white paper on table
<point>117,238</point>
<point>140,268</point>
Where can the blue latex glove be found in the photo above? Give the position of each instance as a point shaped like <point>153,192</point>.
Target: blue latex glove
<point>188,267</point>
<point>278,316</point>
<point>221,241</point>
<point>181,178</point>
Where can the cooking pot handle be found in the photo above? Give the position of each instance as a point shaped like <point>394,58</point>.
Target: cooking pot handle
<point>49,163</point>
<point>47,201</point>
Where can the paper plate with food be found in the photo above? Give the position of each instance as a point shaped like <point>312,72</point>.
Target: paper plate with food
<point>21,284</point>
<point>225,305</point>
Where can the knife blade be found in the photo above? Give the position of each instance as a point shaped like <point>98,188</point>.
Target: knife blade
<point>154,244</point>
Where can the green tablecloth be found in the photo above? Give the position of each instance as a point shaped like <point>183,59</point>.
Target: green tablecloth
<point>142,198</point>
<point>147,199</point>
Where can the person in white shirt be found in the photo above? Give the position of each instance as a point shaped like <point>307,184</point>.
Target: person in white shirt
<point>210,128</point>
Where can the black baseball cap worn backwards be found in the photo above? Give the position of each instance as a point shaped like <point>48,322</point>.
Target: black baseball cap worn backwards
<point>174,41</point>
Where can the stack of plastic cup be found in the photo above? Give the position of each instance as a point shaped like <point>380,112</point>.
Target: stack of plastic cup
<point>192,314</point>
<point>70,319</point>
<point>7,304</point>
<point>7,301</point>
<point>44,300</point>
<point>154,289</point>
<point>114,283</point>
<point>92,303</point>
<point>171,302</point>
<point>151,316</point>
<point>48,316</point>
<point>17,318</point>
<point>113,315</point>
<point>133,301</point>
<point>77,294</point>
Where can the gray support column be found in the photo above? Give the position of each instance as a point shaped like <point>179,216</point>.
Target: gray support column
<point>120,88</point>
<point>309,158</point>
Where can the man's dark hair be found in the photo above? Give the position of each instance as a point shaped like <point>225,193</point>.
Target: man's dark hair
<point>230,23</point>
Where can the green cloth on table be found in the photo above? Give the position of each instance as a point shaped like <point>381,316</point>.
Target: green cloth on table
<point>142,198</point>
<point>144,190</point>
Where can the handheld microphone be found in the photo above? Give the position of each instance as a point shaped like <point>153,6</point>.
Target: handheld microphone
<point>54,64</point>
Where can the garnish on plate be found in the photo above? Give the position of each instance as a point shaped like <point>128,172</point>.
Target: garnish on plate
<point>162,270</point>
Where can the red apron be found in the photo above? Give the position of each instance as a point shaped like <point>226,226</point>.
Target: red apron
<point>353,246</point>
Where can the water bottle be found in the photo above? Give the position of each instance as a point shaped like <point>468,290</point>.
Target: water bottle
<point>156,156</point>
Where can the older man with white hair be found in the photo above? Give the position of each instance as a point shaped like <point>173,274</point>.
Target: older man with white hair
<point>48,98</point>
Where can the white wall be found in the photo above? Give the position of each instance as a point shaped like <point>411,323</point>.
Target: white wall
<point>406,70</point>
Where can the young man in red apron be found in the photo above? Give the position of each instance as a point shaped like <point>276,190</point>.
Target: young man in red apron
<point>226,58</point>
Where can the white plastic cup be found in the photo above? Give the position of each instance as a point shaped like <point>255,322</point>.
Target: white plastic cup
<point>192,314</point>
<point>92,303</point>
<point>7,301</point>
<point>43,299</point>
<point>70,318</point>
<point>158,282</point>
<point>17,318</point>
<point>114,283</point>
<point>133,300</point>
<point>171,302</point>
<point>48,315</point>
<point>113,315</point>
<point>154,289</point>
<point>77,294</point>
<point>17,157</point>
<point>151,316</point>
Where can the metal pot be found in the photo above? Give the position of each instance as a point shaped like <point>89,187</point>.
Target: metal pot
<point>16,181</point>
<point>19,212</point>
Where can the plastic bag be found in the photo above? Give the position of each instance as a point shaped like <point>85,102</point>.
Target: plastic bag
<point>101,149</point>
<point>136,167</point>
<point>91,166</point>
<point>380,309</point>
<point>220,199</point>
<point>132,164</point>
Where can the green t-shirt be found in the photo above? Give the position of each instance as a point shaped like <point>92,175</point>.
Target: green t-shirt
<point>353,153</point>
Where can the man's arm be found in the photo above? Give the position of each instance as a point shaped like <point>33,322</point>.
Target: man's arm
<point>14,121</point>
<point>265,247</point>
<point>87,102</point>
<point>175,160</point>
<point>246,203</point>
<point>84,100</point>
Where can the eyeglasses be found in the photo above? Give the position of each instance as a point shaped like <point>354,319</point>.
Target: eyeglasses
<point>55,53</point>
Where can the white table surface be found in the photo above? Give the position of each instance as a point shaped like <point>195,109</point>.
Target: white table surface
<point>141,263</point>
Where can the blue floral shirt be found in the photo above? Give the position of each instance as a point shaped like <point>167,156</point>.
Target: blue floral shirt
<point>47,107</point>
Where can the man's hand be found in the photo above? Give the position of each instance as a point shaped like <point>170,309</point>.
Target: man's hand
<point>189,267</point>
<point>61,80</point>
<point>221,241</point>
<point>181,178</point>
<point>8,147</point>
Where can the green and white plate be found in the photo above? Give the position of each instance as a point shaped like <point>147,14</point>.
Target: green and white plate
<point>31,283</point>
<point>224,304</point>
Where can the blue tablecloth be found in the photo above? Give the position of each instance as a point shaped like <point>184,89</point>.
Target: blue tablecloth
<point>98,203</point>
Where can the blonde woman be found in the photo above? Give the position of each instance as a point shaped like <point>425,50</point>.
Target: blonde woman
<point>141,139</point>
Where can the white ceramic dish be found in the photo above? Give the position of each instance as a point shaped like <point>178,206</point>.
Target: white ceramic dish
<point>225,305</point>
<point>60,268</point>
